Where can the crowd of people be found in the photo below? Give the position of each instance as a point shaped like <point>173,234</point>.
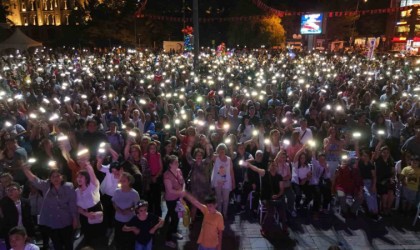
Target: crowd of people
<point>100,139</point>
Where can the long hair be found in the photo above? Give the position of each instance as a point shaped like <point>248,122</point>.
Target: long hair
<point>243,126</point>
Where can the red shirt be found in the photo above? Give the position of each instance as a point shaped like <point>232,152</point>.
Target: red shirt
<point>154,163</point>
<point>348,180</point>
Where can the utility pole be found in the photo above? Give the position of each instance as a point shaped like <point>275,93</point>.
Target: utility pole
<point>196,35</point>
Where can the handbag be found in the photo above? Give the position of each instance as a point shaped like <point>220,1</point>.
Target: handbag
<point>97,219</point>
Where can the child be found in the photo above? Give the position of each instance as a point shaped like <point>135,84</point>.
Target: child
<point>212,228</point>
<point>143,225</point>
<point>410,176</point>
<point>18,237</point>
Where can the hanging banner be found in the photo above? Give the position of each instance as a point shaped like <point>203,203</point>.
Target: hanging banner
<point>372,46</point>
<point>139,14</point>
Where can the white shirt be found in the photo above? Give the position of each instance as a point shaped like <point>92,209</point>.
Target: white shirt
<point>299,173</point>
<point>138,124</point>
<point>284,170</point>
<point>18,205</point>
<point>221,173</point>
<point>29,246</point>
<point>224,111</point>
<point>304,137</point>
<point>89,197</point>
<point>109,184</point>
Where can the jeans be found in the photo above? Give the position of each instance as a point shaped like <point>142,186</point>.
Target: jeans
<point>342,198</point>
<point>299,191</point>
<point>315,196</point>
<point>200,247</point>
<point>139,246</point>
<point>370,198</point>
<point>289,199</point>
<point>222,196</point>
<point>332,165</point>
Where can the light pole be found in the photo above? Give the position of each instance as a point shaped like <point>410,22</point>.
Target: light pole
<point>196,34</point>
<point>135,31</point>
<point>354,22</point>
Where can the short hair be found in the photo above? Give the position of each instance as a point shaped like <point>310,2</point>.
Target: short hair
<point>90,120</point>
<point>129,125</point>
<point>19,231</point>
<point>115,165</point>
<point>322,154</point>
<point>198,151</point>
<point>259,151</point>
<point>137,147</point>
<point>151,143</point>
<point>221,146</point>
<point>6,175</point>
<point>172,158</point>
<point>87,248</point>
<point>14,184</point>
<point>53,171</point>
<point>64,126</point>
<point>140,204</point>
<point>129,177</point>
<point>273,131</point>
<point>85,174</point>
<point>210,199</point>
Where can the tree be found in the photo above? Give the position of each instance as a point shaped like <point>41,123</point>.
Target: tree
<point>272,32</point>
<point>266,31</point>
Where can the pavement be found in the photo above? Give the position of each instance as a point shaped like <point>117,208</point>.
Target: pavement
<point>242,232</point>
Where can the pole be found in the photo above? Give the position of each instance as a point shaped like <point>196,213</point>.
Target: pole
<point>353,29</point>
<point>196,34</point>
<point>135,32</point>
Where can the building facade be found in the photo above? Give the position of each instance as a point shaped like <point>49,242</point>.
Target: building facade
<point>407,27</point>
<point>39,12</point>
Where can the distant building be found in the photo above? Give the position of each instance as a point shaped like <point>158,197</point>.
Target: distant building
<point>39,12</point>
<point>407,27</point>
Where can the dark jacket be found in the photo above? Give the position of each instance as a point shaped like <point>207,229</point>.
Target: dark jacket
<point>11,216</point>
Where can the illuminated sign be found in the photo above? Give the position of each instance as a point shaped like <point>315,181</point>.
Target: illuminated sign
<point>311,24</point>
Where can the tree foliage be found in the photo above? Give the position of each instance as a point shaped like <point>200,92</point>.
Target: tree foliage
<point>267,31</point>
<point>272,32</point>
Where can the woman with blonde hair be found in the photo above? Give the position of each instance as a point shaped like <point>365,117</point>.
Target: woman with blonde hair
<point>222,178</point>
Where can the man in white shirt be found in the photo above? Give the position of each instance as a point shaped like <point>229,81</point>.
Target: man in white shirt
<point>305,133</point>
<point>138,119</point>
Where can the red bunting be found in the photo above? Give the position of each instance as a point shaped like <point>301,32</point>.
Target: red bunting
<point>261,5</point>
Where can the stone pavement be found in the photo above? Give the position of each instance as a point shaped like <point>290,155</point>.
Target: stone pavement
<point>305,233</point>
<point>242,232</point>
